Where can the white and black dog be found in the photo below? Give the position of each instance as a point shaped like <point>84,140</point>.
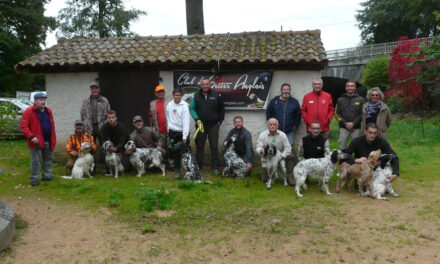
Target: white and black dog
<point>379,182</point>
<point>321,169</point>
<point>188,163</point>
<point>113,160</point>
<point>235,165</point>
<point>84,164</point>
<point>274,159</point>
<point>142,157</point>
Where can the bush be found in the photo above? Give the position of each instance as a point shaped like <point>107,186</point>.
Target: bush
<point>396,104</point>
<point>375,73</point>
<point>152,199</point>
<point>115,198</point>
<point>8,117</point>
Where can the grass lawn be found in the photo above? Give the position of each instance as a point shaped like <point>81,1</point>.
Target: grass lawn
<point>212,214</point>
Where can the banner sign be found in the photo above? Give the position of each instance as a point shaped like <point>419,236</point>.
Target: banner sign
<point>239,90</point>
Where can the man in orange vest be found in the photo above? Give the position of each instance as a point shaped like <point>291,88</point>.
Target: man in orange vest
<point>73,145</point>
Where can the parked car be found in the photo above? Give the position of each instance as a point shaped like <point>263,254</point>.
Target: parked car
<point>11,110</point>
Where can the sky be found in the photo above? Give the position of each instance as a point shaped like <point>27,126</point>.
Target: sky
<point>335,18</point>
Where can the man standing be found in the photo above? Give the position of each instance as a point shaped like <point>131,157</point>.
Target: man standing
<point>73,145</point>
<point>208,110</point>
<point>157,115</point>
<point>178,119</point>
<point>286,110</point>
<point>362,146</point>
<point>145,137</point>
<point>38,128</point>
<point>313,145</point>
<point>93,112</point>
<point>243,143</point>
<point>276,137</point>
<point>117,133</point>
<point>349,114</point>
<point>318,105</point>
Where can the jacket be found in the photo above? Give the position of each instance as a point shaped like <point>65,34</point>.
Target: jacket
<point>153,114</point>
<point>146,137</point>
<point>279,140</point>
<point>103,107</point>
<point>288,114</point>
<point>118,135</point>
<point>209,109</point>
<point>178,117</point>
<point>74,143</point>
<point>317,107</point>
<point>383,120</point>
<point>243,144</point>
<point>349,109</point>
<point>31,127</point>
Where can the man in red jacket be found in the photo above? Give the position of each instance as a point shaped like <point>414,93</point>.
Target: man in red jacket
<point>39,129</point>
<point>318,105</point>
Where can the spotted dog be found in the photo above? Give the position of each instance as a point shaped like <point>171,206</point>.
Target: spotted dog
<point>113,160</point>
<point>274,159</point>
<point>380,183</point>
<point>235,165</point>
<point>84,164</point>
<point>142,157</point>
<point>321,169</point>
<point>362,172</point>
<point>189,163</point>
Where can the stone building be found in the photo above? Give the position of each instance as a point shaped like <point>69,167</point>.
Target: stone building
<point>129,68</point>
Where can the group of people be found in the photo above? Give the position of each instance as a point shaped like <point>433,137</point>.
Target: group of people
<point>170,124</point>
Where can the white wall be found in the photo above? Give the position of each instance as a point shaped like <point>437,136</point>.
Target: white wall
<point>255,120</point>
<point>65,94</point>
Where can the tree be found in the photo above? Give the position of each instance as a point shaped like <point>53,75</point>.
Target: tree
<point>375,73</point>
<point>23,29</point>
<point>386,20</point>
<point>96,18</point>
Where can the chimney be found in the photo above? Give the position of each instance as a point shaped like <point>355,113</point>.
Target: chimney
<point>194,17</point>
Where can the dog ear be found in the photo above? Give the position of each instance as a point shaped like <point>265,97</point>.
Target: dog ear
<point>334,156</point>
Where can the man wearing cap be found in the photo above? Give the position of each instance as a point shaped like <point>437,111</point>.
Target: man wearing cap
<point>73,145</point>
<point>38,128</point>
<point>145,137</point>
<point>93,112</point>
<point>157,116</point>
<point>208,110</point>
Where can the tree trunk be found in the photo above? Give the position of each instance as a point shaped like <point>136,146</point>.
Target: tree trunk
<point>194,17</point>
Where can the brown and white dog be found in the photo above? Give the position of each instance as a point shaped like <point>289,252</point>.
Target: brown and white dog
<point>362,172</point>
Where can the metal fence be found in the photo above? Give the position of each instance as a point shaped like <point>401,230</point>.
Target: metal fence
<point>365,51</point>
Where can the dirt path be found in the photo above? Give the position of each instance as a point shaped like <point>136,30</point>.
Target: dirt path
<point>364,231</point>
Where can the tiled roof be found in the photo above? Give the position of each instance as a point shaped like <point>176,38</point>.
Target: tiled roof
<point>235,48</point>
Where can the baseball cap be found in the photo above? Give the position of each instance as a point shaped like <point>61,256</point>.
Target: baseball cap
<point>94,85</point>
<point>39,95</point>
<point>137,118</point>
<point>79,122</point>
<point>159,88</point>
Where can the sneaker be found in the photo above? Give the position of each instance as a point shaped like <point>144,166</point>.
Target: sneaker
<point>33,184</point>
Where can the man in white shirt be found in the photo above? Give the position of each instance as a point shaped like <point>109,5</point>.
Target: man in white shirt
<point>178,118</point>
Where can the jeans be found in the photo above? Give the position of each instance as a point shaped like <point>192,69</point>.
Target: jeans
<point>290,136</point>
<point>211,132</point>
<point>41,157</point>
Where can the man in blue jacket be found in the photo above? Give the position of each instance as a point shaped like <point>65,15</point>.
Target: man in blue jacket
<point>286,110</point>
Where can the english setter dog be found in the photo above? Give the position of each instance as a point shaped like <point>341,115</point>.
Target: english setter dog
<point>141,157</point>
<point>84,164</point>
<point>362,172</point>
<point>274,159</point>
<point>113,160</point>
<point>189,163</point>
<point>235,165</point>
<point>321,169</point>
<point>381,184</point>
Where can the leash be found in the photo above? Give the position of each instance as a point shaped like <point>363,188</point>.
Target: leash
<point>201,129</point>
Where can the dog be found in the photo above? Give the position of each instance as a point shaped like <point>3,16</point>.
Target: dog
<point>188,163</point>
<point>113,160</point>
<point>84,164</point>
<point>380,182</point>
<point>235,165</point>
<point>362,172</point>
<point>141,157</point>
<point>274,159</point>
<point>321,169</point>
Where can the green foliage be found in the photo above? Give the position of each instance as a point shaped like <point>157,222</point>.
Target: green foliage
<point>8,116</point>
<point>96,18</point>
<point>115,198</point>
<point>186,185</point>
<point>387,20</point>
<point>20,223</point>
<point>152,199</point>
<point>375,73</point>
<point>23,29</point>
<point>396,104</point>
